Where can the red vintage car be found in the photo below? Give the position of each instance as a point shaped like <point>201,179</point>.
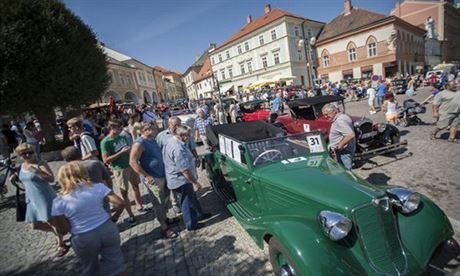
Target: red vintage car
<point>253,111</point>
<point>304,115</point>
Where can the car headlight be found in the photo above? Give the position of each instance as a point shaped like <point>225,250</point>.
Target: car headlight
<point>381,127</point>
<point>406,200</point>
<point>334,225</point>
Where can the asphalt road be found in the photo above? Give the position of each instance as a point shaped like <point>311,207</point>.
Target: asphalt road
<point>223,247</point>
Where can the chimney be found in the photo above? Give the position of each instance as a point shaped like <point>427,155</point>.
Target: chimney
<point>248,19</point>
<point>267,9</point>
<point>212,47</point>
<point>347,7</point>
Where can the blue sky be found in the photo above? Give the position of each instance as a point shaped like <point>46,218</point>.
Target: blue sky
<point>172,33</point>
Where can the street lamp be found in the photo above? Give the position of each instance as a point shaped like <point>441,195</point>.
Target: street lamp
<point>308,50</point>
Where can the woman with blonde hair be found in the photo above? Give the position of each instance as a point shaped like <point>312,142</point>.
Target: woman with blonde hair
<point>36,176</point>
<point>93,231</point>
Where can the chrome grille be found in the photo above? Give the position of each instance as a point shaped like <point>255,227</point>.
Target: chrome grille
<point>378,234</point>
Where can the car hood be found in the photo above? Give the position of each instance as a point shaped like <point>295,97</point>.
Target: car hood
<point>321,179</point>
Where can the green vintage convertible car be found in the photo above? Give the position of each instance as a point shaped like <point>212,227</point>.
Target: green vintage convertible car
<point>316,217</point>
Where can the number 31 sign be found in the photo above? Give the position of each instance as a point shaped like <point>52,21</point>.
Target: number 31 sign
<point>315,143</point>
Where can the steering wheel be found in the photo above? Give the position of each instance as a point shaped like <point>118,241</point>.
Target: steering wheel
<point>277,152</point>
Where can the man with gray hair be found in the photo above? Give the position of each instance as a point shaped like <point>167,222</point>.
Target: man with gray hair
<point>201,123</point>
<point>341,135</point>
<point>163,138</point>
<point>181,177</point>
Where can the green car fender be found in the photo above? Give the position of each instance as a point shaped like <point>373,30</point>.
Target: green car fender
<point>422,231</point>
<point>312,252</point>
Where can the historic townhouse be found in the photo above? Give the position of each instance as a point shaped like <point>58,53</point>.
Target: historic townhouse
<point>441,19</point>
<point>145,81</point>
<point>359,43</point>
<point>205,83</point>
<point>123,86</point>
<point>191,74</point>
<point>273,47</point>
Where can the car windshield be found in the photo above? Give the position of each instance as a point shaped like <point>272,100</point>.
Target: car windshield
<point>285,149</point>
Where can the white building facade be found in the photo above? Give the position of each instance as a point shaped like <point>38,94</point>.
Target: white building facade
<point>268,48</point>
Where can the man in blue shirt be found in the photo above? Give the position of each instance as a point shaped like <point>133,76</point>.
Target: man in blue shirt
<point>146,159</point>
<point>180,175</point>
<point>380,93</point>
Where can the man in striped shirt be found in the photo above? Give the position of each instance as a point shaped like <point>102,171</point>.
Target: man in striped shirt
<point>82,140</point>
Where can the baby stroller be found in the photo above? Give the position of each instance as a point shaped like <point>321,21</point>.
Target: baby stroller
<point>408,115</point>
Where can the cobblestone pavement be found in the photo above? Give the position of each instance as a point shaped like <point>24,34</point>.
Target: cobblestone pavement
<point>223,247</point>
<point>432,169</point>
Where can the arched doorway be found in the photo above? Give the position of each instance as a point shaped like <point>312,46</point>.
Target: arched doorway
<point>131,97</point>
<point>147,98</point>
<point>155,97</point>
<point>106,96</point>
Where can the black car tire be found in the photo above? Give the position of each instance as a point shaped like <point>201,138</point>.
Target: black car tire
<point>275,248</point>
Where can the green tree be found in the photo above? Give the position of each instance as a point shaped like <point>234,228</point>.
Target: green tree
<point>48,58</point>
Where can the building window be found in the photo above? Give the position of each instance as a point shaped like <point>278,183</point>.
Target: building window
<point>264,62</point>
<point>309,33</point>
<point>246,46</point>
<point>326,61</point>
<point>227,53</point>
<point>296,30</point>
<point>352,54</point>
<point>212,61</point>
<point>299,54</point>
<point>239,49</point>
<point>220,58</point>
<point>273,33</point>
<point>242,69</point>
<point>276,58</point>
<point>249,63</point>
<point>372,49</point>
<point>222,73</point>
<point>230,72</point>
<point>261,40</point>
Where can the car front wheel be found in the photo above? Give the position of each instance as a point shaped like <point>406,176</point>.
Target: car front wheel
<point>282,263</point>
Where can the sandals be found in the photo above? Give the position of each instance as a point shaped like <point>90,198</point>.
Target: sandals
<point>453,140</point>
<point>62,250</point>
<point>169,234</point>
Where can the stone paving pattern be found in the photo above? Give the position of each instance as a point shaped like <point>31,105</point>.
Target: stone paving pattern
<point>223,247</point>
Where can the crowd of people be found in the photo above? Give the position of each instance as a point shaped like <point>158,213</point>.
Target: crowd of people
<point>116,150</point>
<point>99,180</point>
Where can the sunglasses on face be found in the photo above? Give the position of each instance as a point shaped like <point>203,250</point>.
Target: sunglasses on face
<point>27,153</point>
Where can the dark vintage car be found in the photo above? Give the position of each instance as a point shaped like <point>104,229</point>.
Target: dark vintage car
<point>253,111</point>
<point>316,217</point>
<point>400,86</point>
<point>372,139</point>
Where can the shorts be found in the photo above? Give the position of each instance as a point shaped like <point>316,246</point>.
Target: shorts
<point>448,119</point>
<point>391,116</point>
<point>370,102</point>
<point>122,178</point>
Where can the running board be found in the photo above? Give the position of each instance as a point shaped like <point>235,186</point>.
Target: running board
<point>378,151</point>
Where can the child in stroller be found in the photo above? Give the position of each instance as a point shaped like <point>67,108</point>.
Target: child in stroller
<point>408,115</point>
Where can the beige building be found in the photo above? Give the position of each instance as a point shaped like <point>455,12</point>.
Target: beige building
<point>169,83</point>
<point>192,74</point>
<point>130,79</point>
<point>360,43</point>
<point>441,19</point>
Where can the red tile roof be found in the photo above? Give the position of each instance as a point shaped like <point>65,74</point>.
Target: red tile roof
<point>345,23</point>
<point>161,69</point>
<point>205,71</point>
<point>258,23</point>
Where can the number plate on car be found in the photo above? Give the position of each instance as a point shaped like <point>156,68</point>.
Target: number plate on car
<point>369,134</point>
